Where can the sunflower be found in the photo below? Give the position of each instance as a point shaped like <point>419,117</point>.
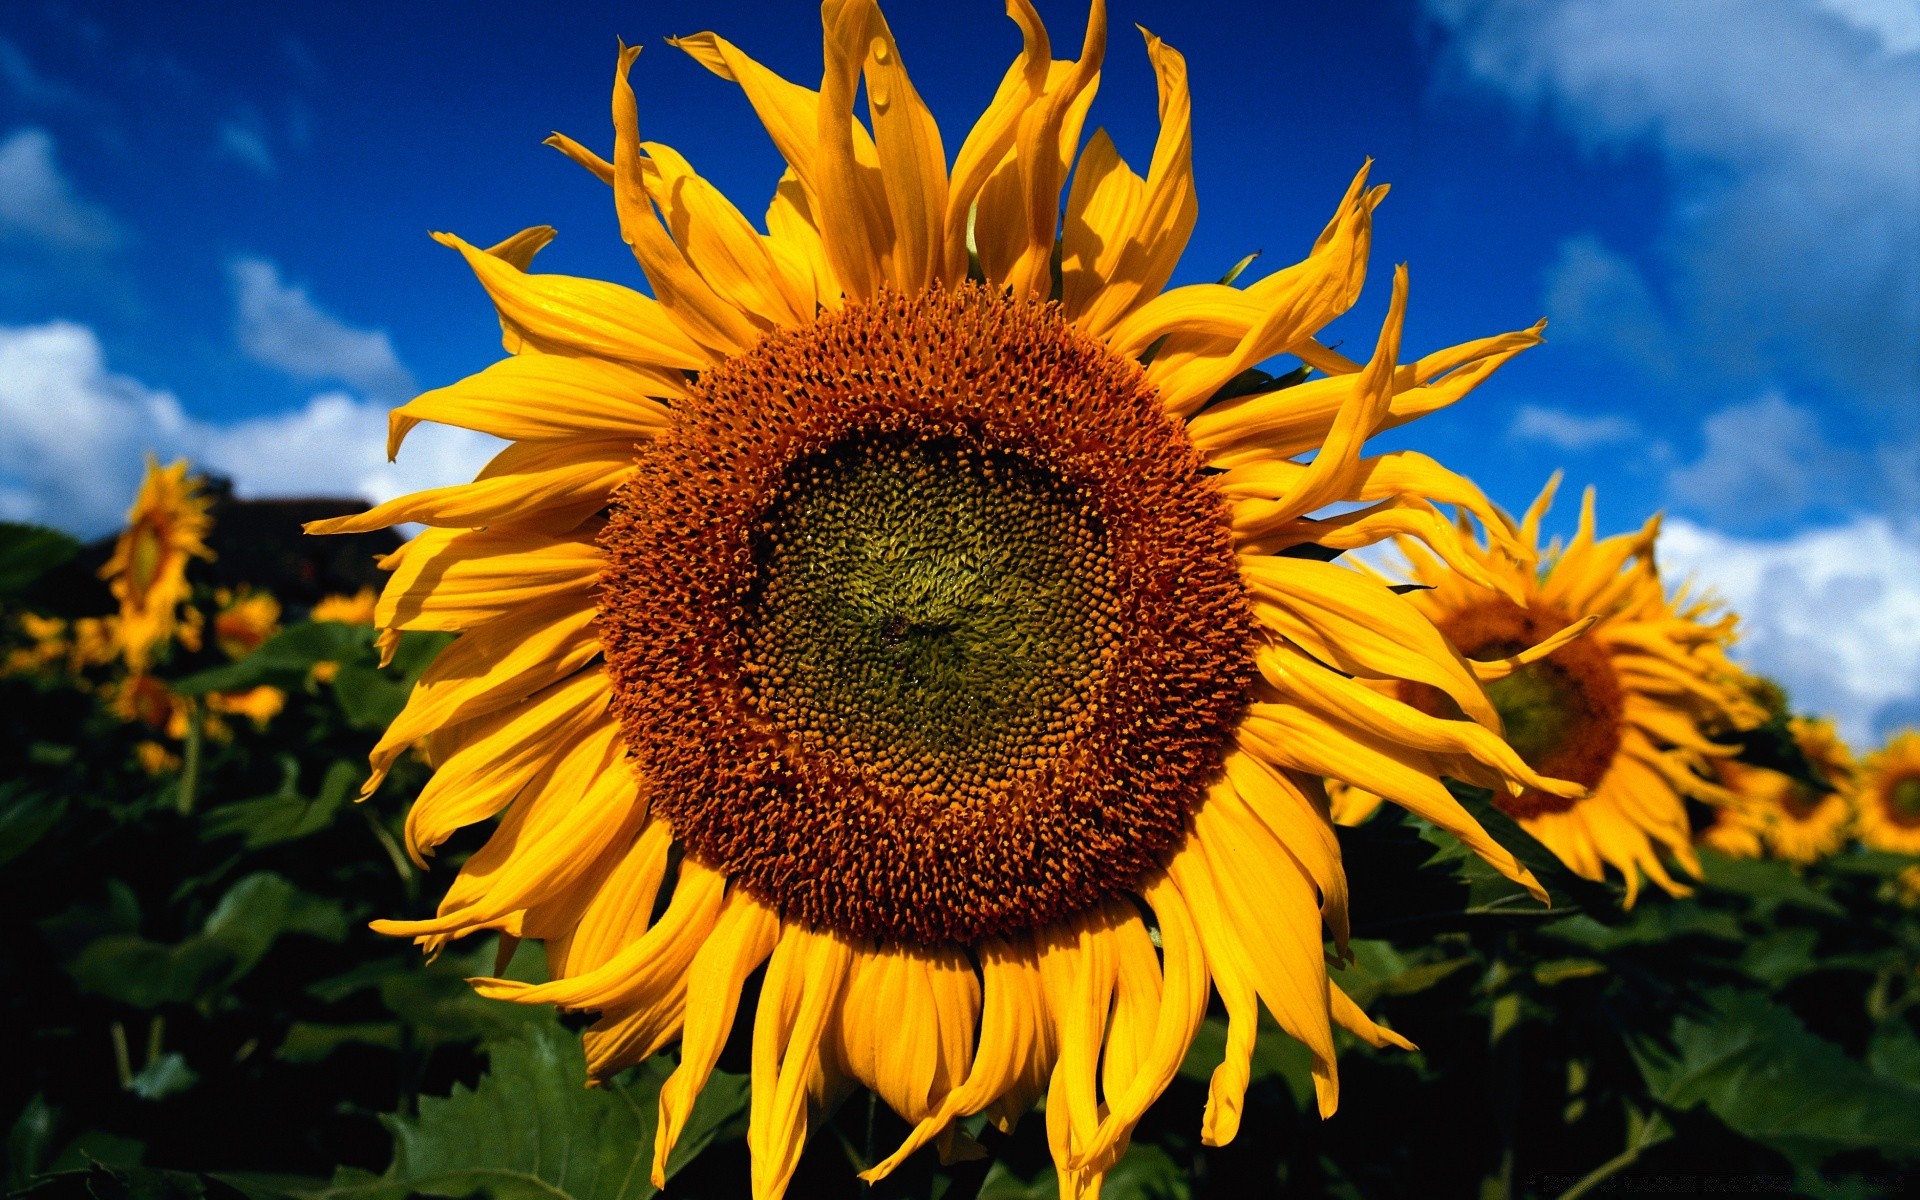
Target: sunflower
<point>926,609</point>
<point>1630,707</point>
<point>1784,816</point>
<point>244,621</point>
<point>1887,800</point>
<point>167,525</point>
<point>356,609</point>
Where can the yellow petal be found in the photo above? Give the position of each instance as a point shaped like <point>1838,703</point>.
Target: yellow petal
<point>1356,625</point>
<point>707,317</point>
<point>913,163</point>
<point>495,666</point>
<point>802,988</point>
<point>1289,736</point>
<point>499,755</point>
<point>1044,142</point>
<point>539,397</point>
<point>743,936</point>
<point>458,579</point>
<point>990,141</point>
<point>1140,242</point>
<point>550,486</point>
<point>559,314</point>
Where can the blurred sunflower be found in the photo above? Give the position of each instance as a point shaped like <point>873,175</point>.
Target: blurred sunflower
<point>1630,709</point>
<point>356,609</point>
<point>919,634</point>
<point>244,621</point>
<point>1887,800</point>
<point>1779,814</point>
<point>167,525</point>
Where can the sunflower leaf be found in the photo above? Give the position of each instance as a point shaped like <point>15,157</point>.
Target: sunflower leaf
<point>1753,1064</point>
<point>29,551</point>
<point>547,1135</point>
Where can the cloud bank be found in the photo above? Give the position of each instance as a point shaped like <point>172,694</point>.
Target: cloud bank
<point>1831,613</point>
<point>74,434</point>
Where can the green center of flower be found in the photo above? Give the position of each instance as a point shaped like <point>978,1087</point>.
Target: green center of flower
<point>937,612</point>
<point>1539,705</point>
<point>1904,799</point>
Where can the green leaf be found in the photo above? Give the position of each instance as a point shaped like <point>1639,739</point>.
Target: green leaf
<point>532,1128</point>
<point>285,661</point>
<point>1767,882</point>
<point>1380,969</point>
<point>164,1076</point>
<point>29,551</point>
<point>369,697</point>
<point>286,815</point>
<point>26,816</point>
<point>1655,920</point>
<point>253,914</point>
<point>1781,955</point>
<point>308,1042</point>
<point>29,1141</point>
<point>1753,1064</point>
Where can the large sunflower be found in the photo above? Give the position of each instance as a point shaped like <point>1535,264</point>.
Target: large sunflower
<point>1786,817</point>
<point>1887,800</point>
<point>921,655</point>
<point>167,525</point>
<point>1631,709</point>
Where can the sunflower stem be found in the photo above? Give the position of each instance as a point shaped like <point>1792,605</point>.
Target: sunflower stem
<point>1503,1019</point>
<point>190,760</point>
<point>122,1060</point>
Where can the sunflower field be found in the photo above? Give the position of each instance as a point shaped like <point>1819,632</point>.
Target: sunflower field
<point>919,706</point>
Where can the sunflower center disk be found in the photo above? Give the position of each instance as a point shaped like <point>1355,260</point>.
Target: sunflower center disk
<point>1562,714</point>
<point>924,622</point>
<point>1903,801</point>
<point>936,612</point>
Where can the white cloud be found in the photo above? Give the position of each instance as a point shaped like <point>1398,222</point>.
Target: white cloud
<point>38,204</point>
<point>1570,431</point>
<point>243,142</point>
<point>1764,459</point>
<point>1831,613</point>
<point>1595,295</point>
<point>73,436</point>
<point>280,326</point>
<point>1895,22</point>
<point>1789,130</point>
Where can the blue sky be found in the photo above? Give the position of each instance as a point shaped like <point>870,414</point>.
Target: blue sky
<point>213,227</point>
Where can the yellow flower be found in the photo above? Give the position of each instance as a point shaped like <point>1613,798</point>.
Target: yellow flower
<point>1887,802</point>
<point>1630,708</point>
<point>155,759</point>
<point>1788,818</point>
<point>47,645</point>
<point>150,702</point>
<point>259,705</point>
<point>1906,887</point>
<point>167,525</point>
<point>356,609</point>
<point>973,647</point>
<point>246,619</point>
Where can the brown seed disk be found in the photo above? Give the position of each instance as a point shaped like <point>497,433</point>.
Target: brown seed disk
<point>1563,714</point>
<point>923,620</point>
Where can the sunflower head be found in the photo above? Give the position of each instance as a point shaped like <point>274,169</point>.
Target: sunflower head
<point>1626,691</point>
<point>1790,818</point>
<point>916,598</point>
<point>166,527</point>
<point>1887,799</point>
<point>244,621</point>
